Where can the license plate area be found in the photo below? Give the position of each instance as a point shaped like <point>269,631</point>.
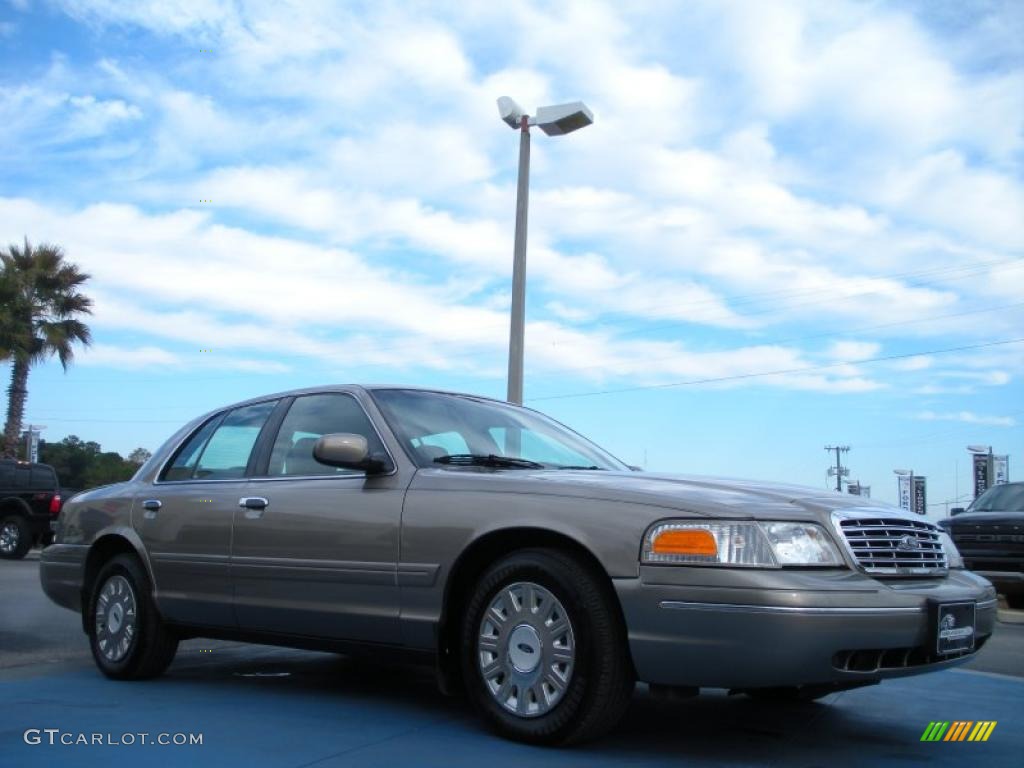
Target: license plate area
<point>953,627</point>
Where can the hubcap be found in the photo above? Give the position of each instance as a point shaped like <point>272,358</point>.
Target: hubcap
<point>10,534</point>
<point>525,649</point>
<point>115,618</point>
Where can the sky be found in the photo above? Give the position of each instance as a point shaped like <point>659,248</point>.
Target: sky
<point>792,224</point>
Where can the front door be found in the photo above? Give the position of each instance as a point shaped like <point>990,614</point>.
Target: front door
<point>316,552</point>
<point>185,517</point>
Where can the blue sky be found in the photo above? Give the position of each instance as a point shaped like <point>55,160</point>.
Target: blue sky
<point>323,192</point>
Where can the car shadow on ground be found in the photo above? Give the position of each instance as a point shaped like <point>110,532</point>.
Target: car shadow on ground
<point>843,729</point>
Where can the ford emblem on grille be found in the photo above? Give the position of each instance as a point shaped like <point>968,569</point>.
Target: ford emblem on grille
<point>908,543</point>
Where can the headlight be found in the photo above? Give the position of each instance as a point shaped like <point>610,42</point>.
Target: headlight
<point>758,545</point>
<point>953,558</point>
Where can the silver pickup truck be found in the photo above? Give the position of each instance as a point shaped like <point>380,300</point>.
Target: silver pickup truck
<point>538,572</point>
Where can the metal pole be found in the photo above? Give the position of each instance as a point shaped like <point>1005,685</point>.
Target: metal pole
<point>839,470</point>
<point>516,332</point>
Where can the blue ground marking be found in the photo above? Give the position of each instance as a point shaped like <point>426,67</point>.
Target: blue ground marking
<point>332,712</point>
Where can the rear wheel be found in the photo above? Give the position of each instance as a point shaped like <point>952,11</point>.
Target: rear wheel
<point>127,637</point>
<point>15,537</point>
<point>544,653</point>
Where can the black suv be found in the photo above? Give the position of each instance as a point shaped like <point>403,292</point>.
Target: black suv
<point>990,537</point>
<point>30,498</point>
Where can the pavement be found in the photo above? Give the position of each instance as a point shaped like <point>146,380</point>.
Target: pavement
<point>262,706</point>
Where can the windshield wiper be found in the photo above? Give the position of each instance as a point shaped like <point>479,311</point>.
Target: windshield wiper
<point>580,466</point>
<point>487,460</point>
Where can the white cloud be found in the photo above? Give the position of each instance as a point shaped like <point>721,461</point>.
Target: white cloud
<point>968,417</point>
<point>854,350</point>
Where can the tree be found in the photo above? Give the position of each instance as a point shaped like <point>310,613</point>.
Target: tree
<point>139,456</point>
<point>80,464</point>
<point>40,307</point>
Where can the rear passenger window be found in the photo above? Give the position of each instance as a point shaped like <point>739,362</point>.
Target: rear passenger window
<point>226,454</point>
<point>21,476</point>
<point>6,474</point>
<point>185,461</point>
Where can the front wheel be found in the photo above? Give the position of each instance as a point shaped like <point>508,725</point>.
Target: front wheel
<point>544,652</point>
<point>15,537</point>
<point>128,639</point>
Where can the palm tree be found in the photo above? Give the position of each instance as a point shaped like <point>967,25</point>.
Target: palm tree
<point>39,307</point>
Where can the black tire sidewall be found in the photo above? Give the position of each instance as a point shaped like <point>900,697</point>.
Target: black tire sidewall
<point>550,572</point>
<point>24,537</point>
<point>128,567</point>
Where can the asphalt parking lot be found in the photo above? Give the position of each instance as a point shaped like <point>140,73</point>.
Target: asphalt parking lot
<point>261,706</point>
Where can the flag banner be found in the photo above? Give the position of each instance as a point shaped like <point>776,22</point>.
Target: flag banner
<point>980,474</point>
<point>1001,469</point>
<point>920,500</point>
<point>905,492</point>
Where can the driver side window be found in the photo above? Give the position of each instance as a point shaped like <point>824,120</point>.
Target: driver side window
<point>310,417</point>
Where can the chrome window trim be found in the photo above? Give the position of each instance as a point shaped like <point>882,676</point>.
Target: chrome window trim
<point>247,478</point>
<point>787,609</point>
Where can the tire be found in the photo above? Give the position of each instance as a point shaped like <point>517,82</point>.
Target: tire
<point>121,597</point>
<point>1015,601</point>
<point>561,625</point>
<point>15,537</point>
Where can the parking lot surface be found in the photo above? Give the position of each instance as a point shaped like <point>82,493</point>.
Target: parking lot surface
<point>260,706</point>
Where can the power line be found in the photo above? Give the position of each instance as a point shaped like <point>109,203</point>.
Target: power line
<point>782,372</point>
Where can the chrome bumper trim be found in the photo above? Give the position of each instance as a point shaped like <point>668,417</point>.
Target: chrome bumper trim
<point>809,611</point>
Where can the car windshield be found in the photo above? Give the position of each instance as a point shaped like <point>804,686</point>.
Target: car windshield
<point>1001,498</point>
<point>434,425</point>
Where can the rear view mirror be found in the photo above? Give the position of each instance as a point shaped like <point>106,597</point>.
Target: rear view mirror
<point>349,451</point>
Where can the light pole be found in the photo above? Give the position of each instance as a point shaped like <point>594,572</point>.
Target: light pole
<point>554,121</point>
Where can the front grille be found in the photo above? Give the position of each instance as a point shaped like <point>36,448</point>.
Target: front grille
<point>895,546</point>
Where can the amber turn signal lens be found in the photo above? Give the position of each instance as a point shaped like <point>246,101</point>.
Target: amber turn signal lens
<point>690,541</point>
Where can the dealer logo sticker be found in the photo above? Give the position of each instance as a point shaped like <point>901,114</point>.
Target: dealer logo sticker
<point>959,730</point>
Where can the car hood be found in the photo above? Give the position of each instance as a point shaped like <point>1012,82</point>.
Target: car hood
<point>710,496</point>
<point>984,518</point>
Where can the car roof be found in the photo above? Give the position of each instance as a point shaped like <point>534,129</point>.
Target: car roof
<point>349,388</point>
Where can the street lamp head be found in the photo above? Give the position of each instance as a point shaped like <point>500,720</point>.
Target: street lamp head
<point>563,118</point>
<point>979,448</point>
<point>902,472</point>
<point>510,112</point>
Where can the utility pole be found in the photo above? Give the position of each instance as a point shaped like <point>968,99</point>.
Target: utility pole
<point>839,470</point>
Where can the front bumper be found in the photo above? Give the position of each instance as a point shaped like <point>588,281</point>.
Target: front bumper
<point>731,628</point>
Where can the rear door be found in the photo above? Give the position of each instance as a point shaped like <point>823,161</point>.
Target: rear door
<point>185,517</point>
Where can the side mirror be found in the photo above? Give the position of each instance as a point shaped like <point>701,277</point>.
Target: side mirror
<point>348,451</point>
<point>956,511</point>
<point>635,468</point>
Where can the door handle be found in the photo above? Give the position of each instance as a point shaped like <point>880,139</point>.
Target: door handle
<point>253,506</point>
<point>151,507</point>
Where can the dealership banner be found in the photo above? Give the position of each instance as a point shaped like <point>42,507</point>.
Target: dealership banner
<point>980,474</point>
<point>905,492</point>
<point>1001,469</point>
<point>920,501</point>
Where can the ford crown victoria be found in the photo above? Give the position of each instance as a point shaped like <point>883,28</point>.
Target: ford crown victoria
<point>540,574</point>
